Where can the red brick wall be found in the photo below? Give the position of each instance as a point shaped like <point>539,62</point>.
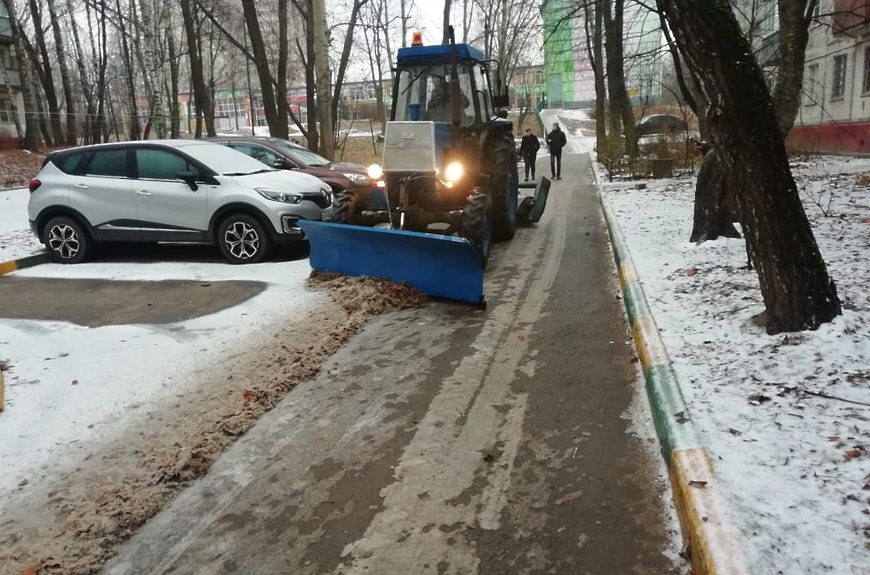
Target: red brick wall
<point>844,138</point>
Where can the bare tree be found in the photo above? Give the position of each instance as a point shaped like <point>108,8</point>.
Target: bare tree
<point>797,290</point>
<point>202,98</point>
<point>60,53</point>
<point>42,63</point>
<point>621,111</point>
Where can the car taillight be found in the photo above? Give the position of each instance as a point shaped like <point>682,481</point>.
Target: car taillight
<point>34,183</point>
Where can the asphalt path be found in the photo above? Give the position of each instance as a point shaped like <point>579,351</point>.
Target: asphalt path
<point>449,439</point>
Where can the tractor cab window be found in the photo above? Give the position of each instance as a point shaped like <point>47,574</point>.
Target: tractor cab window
<point>424,95</point>
<point>481,84</point>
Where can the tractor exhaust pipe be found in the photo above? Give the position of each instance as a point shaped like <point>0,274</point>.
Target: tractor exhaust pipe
<point>455,104</point>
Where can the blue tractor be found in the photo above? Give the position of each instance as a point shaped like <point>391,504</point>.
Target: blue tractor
<point>450,180</point>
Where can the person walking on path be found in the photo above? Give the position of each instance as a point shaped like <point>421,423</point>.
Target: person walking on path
<point>529,149</point>
<point>556,140</point>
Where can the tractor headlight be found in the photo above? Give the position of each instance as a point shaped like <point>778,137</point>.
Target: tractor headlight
<point>454,172</point>
<point>277,196</point>
<point>357,178</point>
<point>375,172</point>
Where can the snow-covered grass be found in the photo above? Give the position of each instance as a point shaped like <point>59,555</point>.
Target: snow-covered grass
<point>786,417</point>
<point>16,240</point>
<point>69,387</point>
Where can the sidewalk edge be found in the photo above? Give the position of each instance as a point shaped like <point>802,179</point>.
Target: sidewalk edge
<point>712,543</point>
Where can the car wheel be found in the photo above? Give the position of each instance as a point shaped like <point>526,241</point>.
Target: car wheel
<point>243,240</point>
<point>67,241</point>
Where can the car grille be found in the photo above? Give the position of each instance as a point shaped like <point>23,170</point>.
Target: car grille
<point>323,199</point>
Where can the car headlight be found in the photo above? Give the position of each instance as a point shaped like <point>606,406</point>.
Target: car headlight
<point>375,172</point>
<point>454,172</point>
<point>358,178</point>
<point>277,196</point>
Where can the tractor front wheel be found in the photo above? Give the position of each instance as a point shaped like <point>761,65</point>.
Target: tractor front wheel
<point>341,210</point>
<point>477,223</point>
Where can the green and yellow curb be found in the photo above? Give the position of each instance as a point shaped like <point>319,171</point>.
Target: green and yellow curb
<point>712,543</point>
<point>21,263</point>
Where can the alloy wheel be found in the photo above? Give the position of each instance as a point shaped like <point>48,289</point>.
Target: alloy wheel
<point>242,240</point>
<point>63,240</point>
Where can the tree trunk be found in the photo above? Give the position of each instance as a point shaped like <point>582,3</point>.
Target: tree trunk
<point>794,20</point>
<point>621,111</point>
<point>445,22</point>
<point>345,56</point>
<point>152,70</point>
<point>310,84</point>
<point>60,52</point>
<point>711,207</point>
<point>200,91</point>
<point>281,96</point>
<point>129,74</point>
<point>47,76</point>
<point>32,140</point>
<point>594,50</point>
<point>797,290</point>
<point>174,112</point>
<point>323,76</point>
<point>261,61</point>
<point>84,77</point>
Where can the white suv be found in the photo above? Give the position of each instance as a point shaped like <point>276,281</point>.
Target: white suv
<point>169,191</point>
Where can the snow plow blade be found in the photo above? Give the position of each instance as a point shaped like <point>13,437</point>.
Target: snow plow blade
<point>441,266</point>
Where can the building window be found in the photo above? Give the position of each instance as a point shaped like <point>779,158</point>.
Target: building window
<point>7,111</point>
<point>810,84</point>
<point>838,89</point>
<point>227,107</point>
<point>866,70</point>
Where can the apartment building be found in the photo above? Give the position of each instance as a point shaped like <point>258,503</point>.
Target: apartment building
<point>11,102</point>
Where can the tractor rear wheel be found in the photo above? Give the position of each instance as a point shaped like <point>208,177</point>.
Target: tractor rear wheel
<point>477,223</point>
<point>504,179</point>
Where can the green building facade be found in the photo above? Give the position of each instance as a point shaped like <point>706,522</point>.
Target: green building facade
<point>559,59</point>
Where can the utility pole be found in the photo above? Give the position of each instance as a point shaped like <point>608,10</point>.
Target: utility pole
<point>323,80</point>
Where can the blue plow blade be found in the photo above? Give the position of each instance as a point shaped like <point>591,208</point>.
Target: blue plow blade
<point>441,266</point>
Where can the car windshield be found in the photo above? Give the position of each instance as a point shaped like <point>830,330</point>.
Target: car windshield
<point>223,160</point>
<point>424,94</point>
<point>301,155</point>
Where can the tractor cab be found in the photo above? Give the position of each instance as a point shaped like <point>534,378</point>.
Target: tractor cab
<point>423,91</point>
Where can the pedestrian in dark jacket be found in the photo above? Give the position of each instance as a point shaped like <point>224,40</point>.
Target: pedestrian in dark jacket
<point>556,140</point>
<point>529,149</point>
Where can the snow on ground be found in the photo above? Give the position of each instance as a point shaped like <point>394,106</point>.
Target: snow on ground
<point>785,417</point>
<point>16,240</point>
<point>68,387</point>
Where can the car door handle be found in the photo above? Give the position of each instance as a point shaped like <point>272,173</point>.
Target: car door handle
<point>82,186</point>
<point>143,193</point>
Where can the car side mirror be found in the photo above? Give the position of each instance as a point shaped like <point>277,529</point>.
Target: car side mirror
<point>189,178</point>
<point>282,164</point>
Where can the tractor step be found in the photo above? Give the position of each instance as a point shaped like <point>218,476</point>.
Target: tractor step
<point>441,266</point>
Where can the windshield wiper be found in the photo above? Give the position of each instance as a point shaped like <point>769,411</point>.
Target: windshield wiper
<point>417,77</point>
<point>248,173</point>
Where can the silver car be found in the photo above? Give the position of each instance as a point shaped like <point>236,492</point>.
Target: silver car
<point>169,191</point>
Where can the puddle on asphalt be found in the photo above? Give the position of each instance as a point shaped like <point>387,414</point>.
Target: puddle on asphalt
<point>97,302</point>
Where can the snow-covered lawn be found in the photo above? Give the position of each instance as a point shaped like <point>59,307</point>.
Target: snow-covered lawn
<point>16,240</point>
<point>787,417</point>
<point>69,387</point>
